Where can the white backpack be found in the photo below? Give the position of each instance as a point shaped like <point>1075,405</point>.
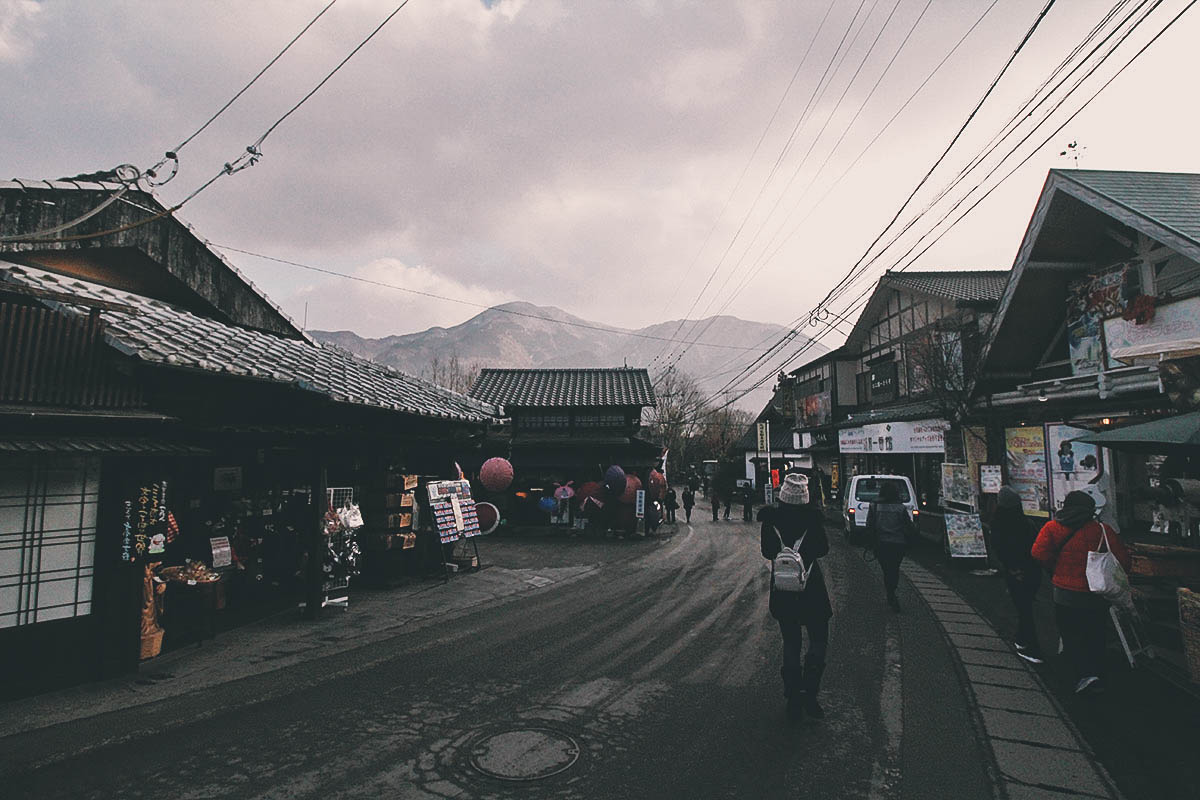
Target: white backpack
<point>788,573</point>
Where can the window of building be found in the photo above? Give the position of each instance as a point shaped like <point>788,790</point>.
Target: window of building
<point>47,537</point>
<point>600,420</point>
<point>543,420</point>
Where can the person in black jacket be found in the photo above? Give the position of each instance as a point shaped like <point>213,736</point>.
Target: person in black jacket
<point>797,523</point>
<point>888,527</point>
<point>1013,537</point>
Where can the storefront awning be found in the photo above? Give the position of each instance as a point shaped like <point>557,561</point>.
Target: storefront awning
<point>1174,434</point>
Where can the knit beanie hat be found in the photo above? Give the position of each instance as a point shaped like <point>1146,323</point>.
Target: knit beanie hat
<point>794,490</point>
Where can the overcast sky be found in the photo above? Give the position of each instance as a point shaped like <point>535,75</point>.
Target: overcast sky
<point>586,155</point>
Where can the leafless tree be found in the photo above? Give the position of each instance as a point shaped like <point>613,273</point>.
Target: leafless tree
<point>451,373</point>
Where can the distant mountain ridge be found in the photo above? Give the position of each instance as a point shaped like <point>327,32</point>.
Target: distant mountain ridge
<point>524,335</point>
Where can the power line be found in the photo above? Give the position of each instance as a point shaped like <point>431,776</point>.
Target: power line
<point>435,296</point>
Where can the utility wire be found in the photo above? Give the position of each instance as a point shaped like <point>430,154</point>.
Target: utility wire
<point>511,311</point>
<point>978,201</point>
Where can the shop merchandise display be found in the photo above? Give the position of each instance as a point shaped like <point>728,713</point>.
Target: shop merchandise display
<point>453,508</point>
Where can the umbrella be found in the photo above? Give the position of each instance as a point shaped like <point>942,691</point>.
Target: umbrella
<point>1178,434</point>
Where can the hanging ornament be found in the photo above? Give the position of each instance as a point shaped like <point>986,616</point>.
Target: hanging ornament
<point>496,474</point>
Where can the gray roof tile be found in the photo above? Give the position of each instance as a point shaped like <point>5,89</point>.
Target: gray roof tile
<point>953,285</point>
<point>161,333</point>
<point>1171,199</point>
<point>545,388</point>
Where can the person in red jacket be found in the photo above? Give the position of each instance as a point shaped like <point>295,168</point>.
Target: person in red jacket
<point>1062,546</point>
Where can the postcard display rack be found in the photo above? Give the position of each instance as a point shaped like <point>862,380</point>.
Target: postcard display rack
<point>455,520</point>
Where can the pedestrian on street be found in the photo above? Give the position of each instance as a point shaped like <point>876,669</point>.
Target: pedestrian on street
<point>1013,538</point>
<point>1062,546</point>
<point>747,503</point>
<point>672,504</point>
<point>728,493</point>
<point>689,500</point>
<point>888,529</point>
<point>716,502</point>
<point>796,522</point>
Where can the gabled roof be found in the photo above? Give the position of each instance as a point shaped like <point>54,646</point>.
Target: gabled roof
<point>1167,199</point>
<point>162,257</point>
<point>558,388</point>
<point>965,286</point>
<point>157,333</point>
<point>1075,229</point>
<point>974,285</point>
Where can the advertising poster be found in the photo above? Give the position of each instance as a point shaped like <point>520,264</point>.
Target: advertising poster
<point>975,446</point>
<point>1025,450</point>
<point>991,478</point>
<point>956,485</point>
<point>964,533</point>
<point>1075,466</point>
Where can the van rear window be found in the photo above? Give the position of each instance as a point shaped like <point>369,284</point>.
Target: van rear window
<point>867,489</point>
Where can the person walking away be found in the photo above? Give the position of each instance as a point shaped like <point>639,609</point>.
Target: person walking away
<point>1013,538</point>
<point>747,503</point>
<point>728,498</point>
<point>794,521</point>
<point>716,502</point>
<point>672,504</point>
<point>1062,546</point>
<point>689,500</point>
<point>888,527</point>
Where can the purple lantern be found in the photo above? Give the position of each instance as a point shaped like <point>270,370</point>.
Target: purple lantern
<point>614,480</point>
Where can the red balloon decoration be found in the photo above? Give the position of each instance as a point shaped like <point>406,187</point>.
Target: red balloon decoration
<point>658,485</point>
<point>632,485</point>
<point>496,474</point>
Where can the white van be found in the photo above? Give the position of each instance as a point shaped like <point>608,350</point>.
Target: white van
<point>864,490</point>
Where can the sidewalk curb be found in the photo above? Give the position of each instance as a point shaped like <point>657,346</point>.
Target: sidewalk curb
<point>1001,780</point>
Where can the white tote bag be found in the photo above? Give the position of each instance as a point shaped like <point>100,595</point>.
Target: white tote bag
<point>1105,576</point>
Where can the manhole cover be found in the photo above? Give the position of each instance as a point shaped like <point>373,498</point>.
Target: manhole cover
<point>524,755</point>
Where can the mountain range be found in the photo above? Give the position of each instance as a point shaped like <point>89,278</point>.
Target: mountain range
<point>524,335</point>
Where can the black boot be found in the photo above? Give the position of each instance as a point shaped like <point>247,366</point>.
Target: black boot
<point>812,684</point>
<point>793,684</point>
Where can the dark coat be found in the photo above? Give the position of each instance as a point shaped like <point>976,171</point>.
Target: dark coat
<point>811,605</point>
<point>689,497</point>
<point>1012,537</point>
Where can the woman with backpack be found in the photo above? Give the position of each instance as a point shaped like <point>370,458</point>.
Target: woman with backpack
<point>1062,546</point>
<point>1013,537</point>
<point>888,528</point>
<point>796,523</point>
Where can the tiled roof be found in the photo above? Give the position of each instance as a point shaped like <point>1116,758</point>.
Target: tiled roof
<point>953,285</point>
<point>1171,199</point>
<point>160,333</point>
<point>546,388</point>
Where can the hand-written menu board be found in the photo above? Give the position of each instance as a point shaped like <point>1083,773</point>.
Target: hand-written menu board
<point>453,510</point>
<point>144,522</point>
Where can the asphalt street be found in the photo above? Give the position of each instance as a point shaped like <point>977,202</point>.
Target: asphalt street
<point>652,673</point>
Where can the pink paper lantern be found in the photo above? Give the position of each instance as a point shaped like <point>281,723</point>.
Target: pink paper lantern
<point>496,474</point>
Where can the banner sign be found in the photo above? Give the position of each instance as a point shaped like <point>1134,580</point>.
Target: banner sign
<point>964,533</point>
<point>922,436</point>
<point>764,437</point>
<point>639,508</point>
<point>1026,454</point>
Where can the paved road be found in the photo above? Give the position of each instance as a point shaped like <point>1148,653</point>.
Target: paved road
<point>654,675</point>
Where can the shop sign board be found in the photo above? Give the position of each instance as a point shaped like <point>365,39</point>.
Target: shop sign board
<point>922,436</point>
<point>639,508</point>
<point>964,534</point>
<point>222,553</point>
<point>1025,449</point>
<point>956,485</point>
<point>883,382</point>
<point>768,494</point>
<point>991,478</point>
<point>835,474</point>
<point>144,521</point>
<point>764,437</point>
<point>1175,328</point>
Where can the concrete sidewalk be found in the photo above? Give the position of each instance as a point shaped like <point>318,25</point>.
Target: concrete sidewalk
<point>283,640</point>
<point>1038,753</point>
